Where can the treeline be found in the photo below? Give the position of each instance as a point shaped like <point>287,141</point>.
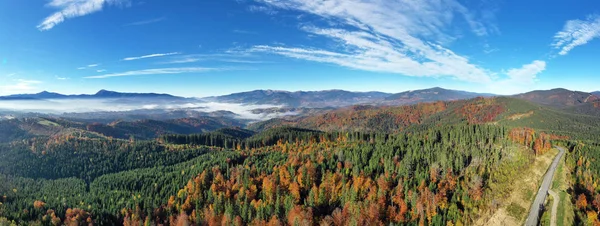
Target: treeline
<point>105,197</point>
<point>87,159</point>
<point>582,161</point>
<point>540,143</point>
<point>266,138</point>
<point>240,139</point>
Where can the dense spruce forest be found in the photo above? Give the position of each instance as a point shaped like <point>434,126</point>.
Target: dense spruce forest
<point>440,163</point>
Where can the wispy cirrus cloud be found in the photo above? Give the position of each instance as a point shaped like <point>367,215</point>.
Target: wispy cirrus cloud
<point>403,37</point>
<point>576,33</point>
<point>101,70</point>
<point>184,59</point>
<point>157,71</point>
<point>74,8</point>
<point>61,78</point>
<point>150,56</point>
<point>262,9</point>
<point>244,32</point>
<point>144,22</point>
<point>88,66</point>
<point>236,57</point>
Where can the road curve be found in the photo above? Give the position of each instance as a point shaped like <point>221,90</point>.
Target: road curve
<point>536,206</point>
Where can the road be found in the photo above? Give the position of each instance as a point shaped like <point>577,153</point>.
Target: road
<point>536,206</point>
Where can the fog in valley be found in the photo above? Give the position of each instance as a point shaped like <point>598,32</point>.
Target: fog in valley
<point>139,106</point>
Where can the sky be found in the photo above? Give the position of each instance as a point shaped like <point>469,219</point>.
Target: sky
<point>213,47</point>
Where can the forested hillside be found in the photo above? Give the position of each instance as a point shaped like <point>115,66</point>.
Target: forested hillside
<point>441,163</point>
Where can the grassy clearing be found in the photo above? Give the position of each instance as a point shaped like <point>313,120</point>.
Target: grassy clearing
<point>519,192</point>
<point>545,220</point>
<point>48,123</point>
<point>515,210</point>
<point>560,184</point>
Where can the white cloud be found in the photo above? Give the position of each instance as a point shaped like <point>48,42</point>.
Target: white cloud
<point>144,22</point>
<point>100,71</point>
<point>151,56</point>
<point>518,80</point>
<point>403,37</point>
<point>88,66</point>
<point>61,78</point>
<point>576,33</point>
<point>157,71</point>
<point>73,8</point>
<point>19,86</point>
<point>527,73</point>
<point>262,9</point>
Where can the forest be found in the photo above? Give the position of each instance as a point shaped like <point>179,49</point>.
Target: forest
<point>443,163</point>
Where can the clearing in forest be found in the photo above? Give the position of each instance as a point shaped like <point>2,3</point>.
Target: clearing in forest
<point>514,207</point>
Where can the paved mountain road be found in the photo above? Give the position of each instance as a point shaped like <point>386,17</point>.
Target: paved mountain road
<point>536,206</point>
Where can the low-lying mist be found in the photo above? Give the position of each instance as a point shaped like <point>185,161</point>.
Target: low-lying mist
<point>138,106</point>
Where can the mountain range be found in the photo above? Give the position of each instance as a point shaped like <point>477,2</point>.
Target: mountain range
<point>342,98</point>
<point>100,94</point>
<point>315,99</point>
<point>335,98</point>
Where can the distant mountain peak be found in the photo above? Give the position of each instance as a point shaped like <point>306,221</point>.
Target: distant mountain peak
<point>559,97</point>
<point>103,92</point>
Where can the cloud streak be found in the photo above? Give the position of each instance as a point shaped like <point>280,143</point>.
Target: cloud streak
<point>576,33</point>
<point>402,37</point>
<point>73,8</point>
<point>157,71</point>
<point>88,66</point>
<point>150,56</point>
<point>237,57</point>
<point>144,22</point>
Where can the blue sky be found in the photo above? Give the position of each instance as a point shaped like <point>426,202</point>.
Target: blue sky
<point>212,47</point>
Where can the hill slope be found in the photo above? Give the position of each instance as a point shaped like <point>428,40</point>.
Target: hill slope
<point>499,110</point>
<point>559,97</point>
<point>430,95</point>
